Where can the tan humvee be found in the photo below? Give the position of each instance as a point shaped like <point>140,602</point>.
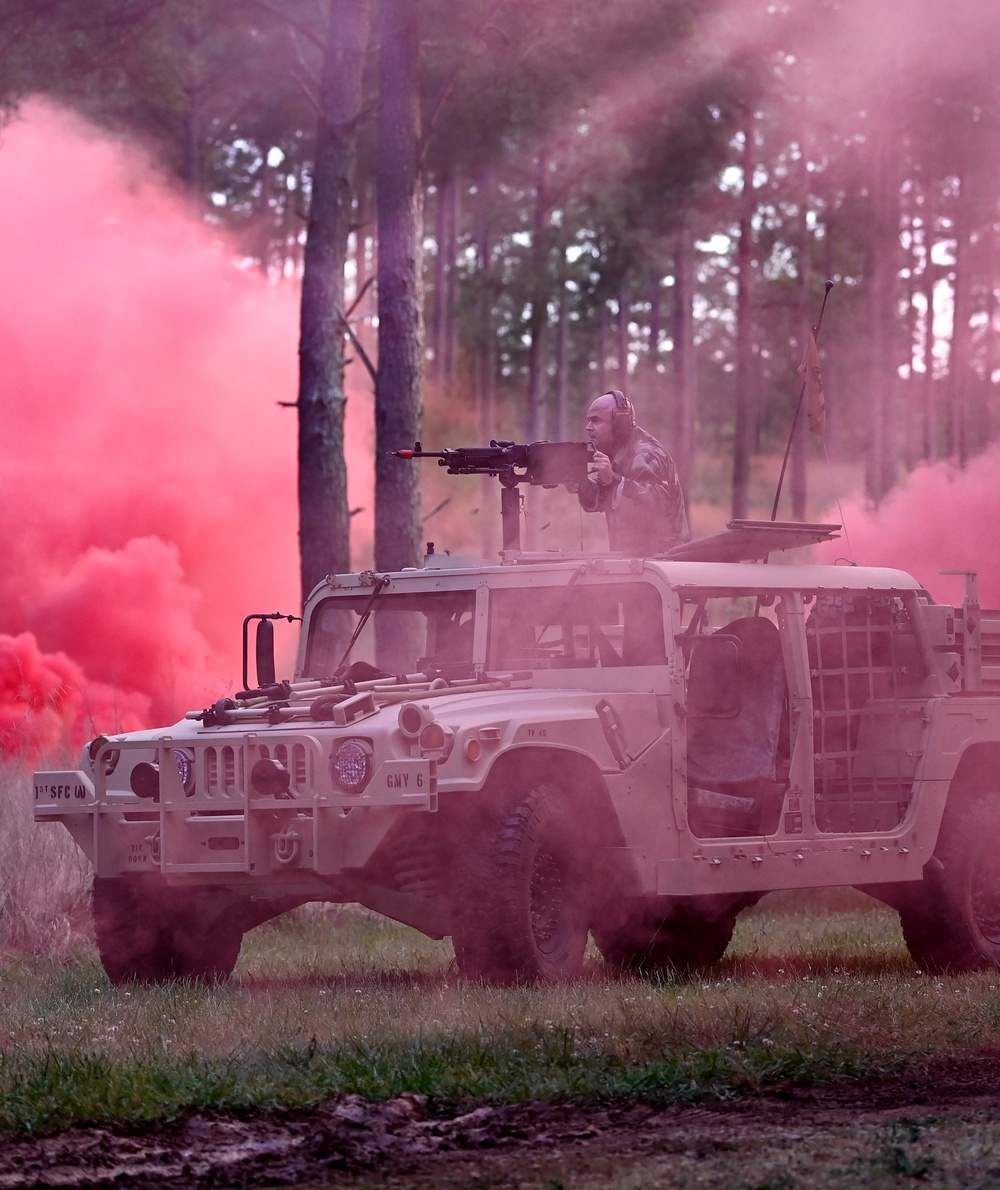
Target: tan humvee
<point>517,755</point>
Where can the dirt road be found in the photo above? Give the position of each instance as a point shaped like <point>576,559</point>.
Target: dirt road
<point>937,1124</point>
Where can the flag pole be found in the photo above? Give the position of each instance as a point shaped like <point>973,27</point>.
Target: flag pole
<point>827,286</point>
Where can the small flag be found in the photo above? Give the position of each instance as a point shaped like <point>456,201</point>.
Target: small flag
<point>810,372</point>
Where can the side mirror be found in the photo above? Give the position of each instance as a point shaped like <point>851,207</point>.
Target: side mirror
<point>264,653</point>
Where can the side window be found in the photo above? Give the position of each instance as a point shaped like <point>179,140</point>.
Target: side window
<point>576,627</point>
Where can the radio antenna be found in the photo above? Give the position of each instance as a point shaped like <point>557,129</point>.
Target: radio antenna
<point>827,286</point>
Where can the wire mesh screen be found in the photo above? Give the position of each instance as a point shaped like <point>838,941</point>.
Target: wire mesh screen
<point>868,714</point>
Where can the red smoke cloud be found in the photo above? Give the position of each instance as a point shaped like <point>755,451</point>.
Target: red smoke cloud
<point>942,518</point>
<point>47,702</point>
<point>147,472</point>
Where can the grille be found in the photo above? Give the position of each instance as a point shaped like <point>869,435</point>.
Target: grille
<point>229,768</point>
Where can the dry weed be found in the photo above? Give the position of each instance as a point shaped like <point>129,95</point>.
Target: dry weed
<point>44,877</point>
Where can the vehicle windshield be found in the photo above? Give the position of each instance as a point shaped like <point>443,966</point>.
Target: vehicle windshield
<point>412,633</point>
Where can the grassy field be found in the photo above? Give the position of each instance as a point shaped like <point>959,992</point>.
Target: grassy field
<point>326,1001</point>
<point>342,1001</point>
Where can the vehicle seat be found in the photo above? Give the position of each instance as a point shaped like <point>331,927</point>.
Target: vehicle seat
<point>734,783</point>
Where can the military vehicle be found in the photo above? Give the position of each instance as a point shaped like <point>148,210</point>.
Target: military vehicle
<point>523,754</point>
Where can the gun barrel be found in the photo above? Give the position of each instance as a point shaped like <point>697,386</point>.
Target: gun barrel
<point>417,453</point>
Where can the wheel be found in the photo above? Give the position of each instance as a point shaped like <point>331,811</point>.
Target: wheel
<point>205,938</point>
<point>131,940</point>
<point>955,925</point>
<point>519,912</point>
<point>645,941</point>
<point>147,932</point>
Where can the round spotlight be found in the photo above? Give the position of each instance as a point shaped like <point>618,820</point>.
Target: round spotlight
<point>351,765</point>
<point>270,778</point>
<point>437,741</point>
<point>413,718</point>
<point>432,738</point>
<point>145,780</point>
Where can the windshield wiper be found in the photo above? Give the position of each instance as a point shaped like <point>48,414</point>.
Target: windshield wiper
<point>381,582</point>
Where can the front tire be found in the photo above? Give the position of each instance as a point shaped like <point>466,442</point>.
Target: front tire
<point>519,912</point>
<point>954,926</point>
<point>147,932</point>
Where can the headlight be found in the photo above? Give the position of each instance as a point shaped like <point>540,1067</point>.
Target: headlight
<point>185,767</point>
<point>351,765</point>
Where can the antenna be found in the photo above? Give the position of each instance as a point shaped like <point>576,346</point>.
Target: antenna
<point>827,286</point>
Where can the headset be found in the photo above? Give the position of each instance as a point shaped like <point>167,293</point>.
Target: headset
<point>623,417</point>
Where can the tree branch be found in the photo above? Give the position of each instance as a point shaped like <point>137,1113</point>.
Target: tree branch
<point>361,293</point>
<point>310,95</point>
<point>356,344</point>
<point>294,25</point>
<point>447,85</point>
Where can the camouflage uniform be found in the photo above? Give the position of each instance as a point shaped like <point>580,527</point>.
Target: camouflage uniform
<point>644,505</point>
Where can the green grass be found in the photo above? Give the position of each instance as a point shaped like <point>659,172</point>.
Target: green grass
<point>325,1003</point>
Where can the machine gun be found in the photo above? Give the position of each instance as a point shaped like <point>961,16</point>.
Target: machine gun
<point>542,464</point>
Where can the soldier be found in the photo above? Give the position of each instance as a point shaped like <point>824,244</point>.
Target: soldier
<point>635,483</point>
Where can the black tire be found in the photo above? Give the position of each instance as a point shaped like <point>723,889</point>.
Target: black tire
<point>130,938</point>
<point>954,925</point>
<point>519,913</point>
<point>147,932</point>
<point>648,942</point>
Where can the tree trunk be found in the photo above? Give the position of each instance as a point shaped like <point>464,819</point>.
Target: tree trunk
<point>883,267</point>
<point>799,480</point>
<point>449,337</point>
<point>400,332</point>
<point>538,315</point>
<point>621,327</point>
<point>992,346</point>
<point>682,446</point>
<point>601,348</point>
<point>800,441</point>
<point>929,447</point>
<point>562,423</point>
<point>324,524</point>
<point>436,319</point>
<point>958,354</point>
<point>363,297</point>
<point>744,338</point>
<point>655,318</point>
<point>908,390</point>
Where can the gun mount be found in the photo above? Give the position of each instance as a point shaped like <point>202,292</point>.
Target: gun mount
<point>541,464</point>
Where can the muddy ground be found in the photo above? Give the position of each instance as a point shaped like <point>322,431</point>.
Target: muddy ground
<point>884,1131</point>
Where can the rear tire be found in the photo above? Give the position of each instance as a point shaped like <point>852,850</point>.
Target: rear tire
<point>147,932</point>
<point>519,913</point>
<point>647,942</point>
<point>954,925</point>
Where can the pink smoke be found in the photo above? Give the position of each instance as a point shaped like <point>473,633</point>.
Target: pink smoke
<point>147,470</point>
<point>942,518</point>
